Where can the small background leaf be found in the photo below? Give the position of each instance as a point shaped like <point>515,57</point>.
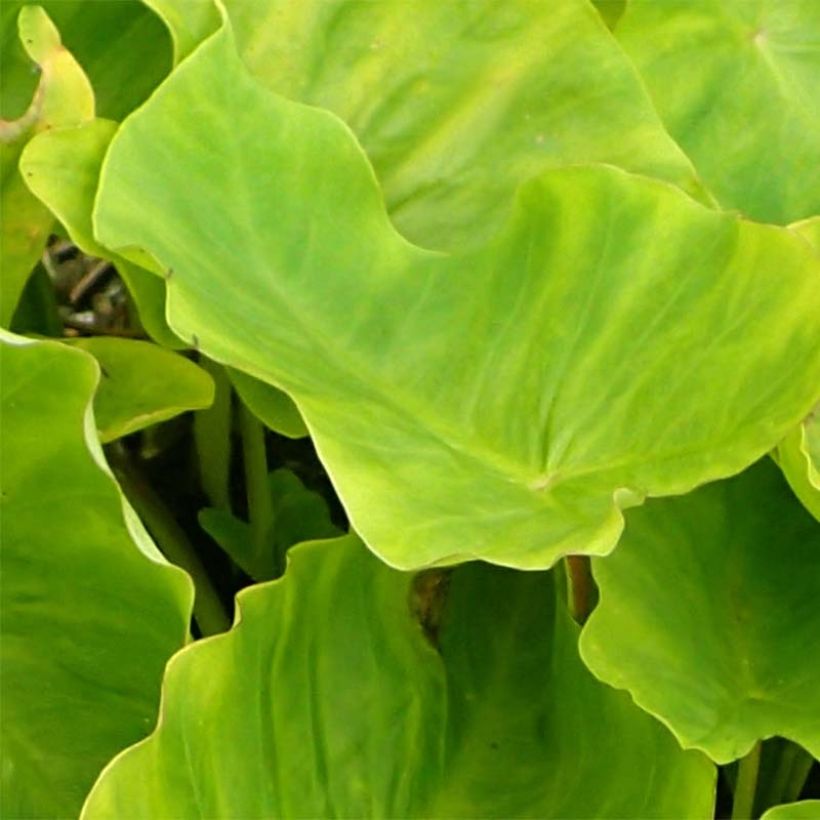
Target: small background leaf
<point>298,514</point>
<point>274,408</point>
<point>142,384</point>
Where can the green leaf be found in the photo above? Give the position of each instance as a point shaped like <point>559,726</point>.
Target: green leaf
<point>800,466</point>
<point>63,97</point>
<point>298,514</point>
<point>90,610</point>
<point>804,810</point>
<point>188,22</point>
<point>142,384</point>
<point>121,45</point>
<point>799,453</point>
<point>274,408</point>
<point>611,11</point>
<point>506,403</point>
<point>706,612</point>
<point>456,103</point>
<point>61,168</point>
<point>327,700</point>
<point>736,84</point>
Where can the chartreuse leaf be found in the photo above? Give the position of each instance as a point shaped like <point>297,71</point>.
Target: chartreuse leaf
<point>297,514</point>
<point>188,21</point>
<point>90,611</point>
<point>61,168</point>
<point>804,810</point>
<point>610,10</point>
<point>505,403</point>
<point>63,97</point>
<point>328,700</point>
<point>799,453</point>
<point>457,103</point>
<point>800,465</point>
<point>142,384</point>
<point>274,408</point>
<point>706,612</point>
<point>736,84</point>
<point>121,45</point>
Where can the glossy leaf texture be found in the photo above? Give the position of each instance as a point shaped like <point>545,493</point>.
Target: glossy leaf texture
<point>329,700</point>
<point>736,85</point>
<point>61,168</point>
<point>63,97</point>
<point>90,611</point>
<point>706,612</point>
<point>505,403</point>
<point>141,384</point>
<point>456,103</point>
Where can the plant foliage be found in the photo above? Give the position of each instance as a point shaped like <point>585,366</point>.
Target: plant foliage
<point>381,318</point>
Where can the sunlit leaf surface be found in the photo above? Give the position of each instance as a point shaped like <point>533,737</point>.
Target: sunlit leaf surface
<point>456,103</point>
<point>506,403</point>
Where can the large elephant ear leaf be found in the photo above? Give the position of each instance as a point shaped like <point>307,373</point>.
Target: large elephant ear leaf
<point>63,97</point>
<point>736,85</point>
<point>90,611</point>
<point>505,403</point>
<point>706,612</point>
<point>329,699</point>
<point>456,103</point>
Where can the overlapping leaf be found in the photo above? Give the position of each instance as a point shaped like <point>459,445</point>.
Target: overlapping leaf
<point>456,103</point>
<point>273,407</point>
<point>61,167</point>
<point>804,810</point>
<point>63,97</point>
<point>706,613</point>
<point>296,514</point>
<point>121,45</point>
<point>90,611</point>
<point>505,403</point>
<point>736,84</point>
<point>327,700</point>
<point>142,384</point>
